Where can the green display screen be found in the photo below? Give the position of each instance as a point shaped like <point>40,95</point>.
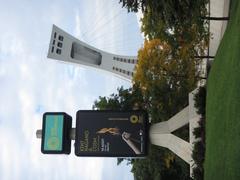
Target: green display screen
<point>53,133</point>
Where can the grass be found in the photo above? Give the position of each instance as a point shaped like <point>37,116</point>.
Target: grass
<point>223,106</point>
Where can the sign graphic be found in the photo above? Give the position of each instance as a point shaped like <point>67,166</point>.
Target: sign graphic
<point>111,133</point>
<point>55,133</point>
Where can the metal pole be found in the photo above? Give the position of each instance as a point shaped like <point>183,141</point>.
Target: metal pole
<point>39,133</point>
<point>72,133</point>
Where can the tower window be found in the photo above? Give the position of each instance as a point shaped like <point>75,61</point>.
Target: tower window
<point>53,42</point>
<point>128,60</point>
<point>59,44</point>
<point>60,38</point>
<point>55,35</point>
<point>113,68</point>
<point>59,51</point>
<point>52,49</point>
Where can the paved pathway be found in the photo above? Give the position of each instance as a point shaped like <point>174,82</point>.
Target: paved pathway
<point>218,8</point>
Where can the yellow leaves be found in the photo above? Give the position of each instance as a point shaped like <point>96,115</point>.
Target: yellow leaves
<point>158,64</point>
<point>169,159</point>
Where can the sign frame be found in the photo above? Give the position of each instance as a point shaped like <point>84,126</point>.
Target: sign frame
<point>145,126</point>
<point>66,127</point>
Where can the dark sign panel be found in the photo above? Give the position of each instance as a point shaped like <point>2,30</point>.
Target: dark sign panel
<point>111,133</point>
<point>55,133</point>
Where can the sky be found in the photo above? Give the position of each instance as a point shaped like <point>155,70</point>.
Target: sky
<point>31,84</point>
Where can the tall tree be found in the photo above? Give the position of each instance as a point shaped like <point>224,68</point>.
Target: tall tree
<point>171,12</point>
<point>125,99</point>
<point>165,80</point>
<point>174,21</point>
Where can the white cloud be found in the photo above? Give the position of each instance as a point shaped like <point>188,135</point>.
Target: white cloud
<point>11,44</point>
<point>78,27</point>
<point>2,71</point>
<point>10,154</point>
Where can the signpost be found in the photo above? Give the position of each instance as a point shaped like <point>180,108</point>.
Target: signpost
<point>118,133</point>
<point>97,133</point>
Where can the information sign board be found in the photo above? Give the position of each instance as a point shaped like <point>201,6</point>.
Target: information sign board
<point>55,132</point>
<point>111,133</point>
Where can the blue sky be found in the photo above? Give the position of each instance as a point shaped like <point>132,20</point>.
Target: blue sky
<point>32,84</point>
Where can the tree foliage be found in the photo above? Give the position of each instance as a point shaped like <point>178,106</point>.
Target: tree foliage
<point>160,164</point>
<point>199,148</point>
<point>192,35</point>
<point>165,80</point>
<point>174,21</point>
<point>134,5</point>
<point>126,99</point>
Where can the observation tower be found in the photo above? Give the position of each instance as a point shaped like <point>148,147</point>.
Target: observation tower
<point>67,48</point>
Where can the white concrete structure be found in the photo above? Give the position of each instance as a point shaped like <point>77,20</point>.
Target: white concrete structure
<point>160,133</point>
<point>67,48</point>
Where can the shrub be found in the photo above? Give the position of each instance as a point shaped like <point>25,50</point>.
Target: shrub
<point>198,154</point>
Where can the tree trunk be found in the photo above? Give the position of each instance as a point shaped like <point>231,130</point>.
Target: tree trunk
<point>202,57</point>
<point>216,18</point>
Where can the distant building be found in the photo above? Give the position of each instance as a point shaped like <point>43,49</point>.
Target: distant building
<point>67,48</point>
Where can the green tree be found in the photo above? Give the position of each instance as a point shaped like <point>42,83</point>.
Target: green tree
<point>154,167</point>
<point>174,21</point>
<point>134,5</point>
<point>125,99</point>
<point>177,29</point>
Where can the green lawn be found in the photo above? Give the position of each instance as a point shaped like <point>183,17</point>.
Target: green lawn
<point>223,106</point>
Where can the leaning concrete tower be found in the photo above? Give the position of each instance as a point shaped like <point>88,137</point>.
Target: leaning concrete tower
<point>67,48</point>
